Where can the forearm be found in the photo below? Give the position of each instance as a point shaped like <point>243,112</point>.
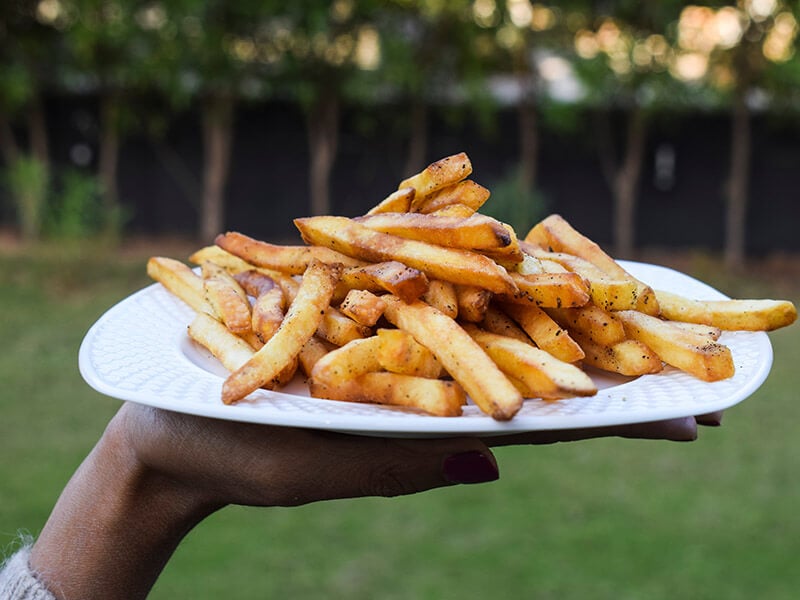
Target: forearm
<point>114,527</point>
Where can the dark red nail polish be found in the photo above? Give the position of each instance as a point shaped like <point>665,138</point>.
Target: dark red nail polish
<point>469,467</point>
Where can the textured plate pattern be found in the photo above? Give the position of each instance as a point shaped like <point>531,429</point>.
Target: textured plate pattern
<point>139,351</point>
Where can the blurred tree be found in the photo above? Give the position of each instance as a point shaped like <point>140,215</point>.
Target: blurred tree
<point>321,50</point>
<point>110,47</point>
<point>749,53</point>
<point>207,57</point>
<point>625,50</point>
<point>434,53</point>
<point>29,55</point>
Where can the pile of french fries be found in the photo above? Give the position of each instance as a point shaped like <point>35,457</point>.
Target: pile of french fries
<point>424,301</point>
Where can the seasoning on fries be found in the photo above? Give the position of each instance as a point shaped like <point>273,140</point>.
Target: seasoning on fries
<point>423,302</point>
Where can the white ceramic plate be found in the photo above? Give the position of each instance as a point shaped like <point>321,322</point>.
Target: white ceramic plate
<point>139,351</point>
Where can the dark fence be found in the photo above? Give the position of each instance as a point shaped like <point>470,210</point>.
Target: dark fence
<point>681,194</point>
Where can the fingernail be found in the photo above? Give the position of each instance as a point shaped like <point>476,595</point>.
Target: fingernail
<point>469,467</point>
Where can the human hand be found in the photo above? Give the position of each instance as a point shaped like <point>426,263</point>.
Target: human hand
<point>155,474</point>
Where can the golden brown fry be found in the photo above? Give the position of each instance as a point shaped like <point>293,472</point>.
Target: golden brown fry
<point>338,329</point>
<point>552,290</point>
<point>227,348</point>
<point>254,282</point>
<point>227,298</point>
<point>556,234</point>
<point>473,302</point>
<point>448,264</point>
<point>459,354</point>
<point>301,321</point>
<point>392,276</point>
<point>497,321</point>
<point>541,374</point>
<point>736,315</point>
<point>442,296</point>
<point>606,291</point>
<point>268,314</point>
<point>626,357</point>
<point>453,210</point>
<point>545,332</point>
<point>477,232</point>
<point>465,193</point>
<point>181,281</point>
<point>437,175</point>
<point>314,349</point>
<point>590,321</point>
<point>287,259</point>
<point>350,373</point>
<point>709,331</point>
<point>396,202</point>
<point>400,353</point>
<point>695,354</point>
<point>363,307</point>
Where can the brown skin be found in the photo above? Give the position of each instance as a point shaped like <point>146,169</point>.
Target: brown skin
<point>154,475</point>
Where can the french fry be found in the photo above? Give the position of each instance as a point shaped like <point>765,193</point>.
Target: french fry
<point>544,331</point>
<point>556,234</point>
<point>338,329</point>
<point>442,296</point>
<point>695,354</point>
<point>397,202</point>
<point>473,302</point>
<point>268,314</point>
<point>181,281</point>
<point>301,321</point>
<point>467,194</point>
<point>460,356</point>
<point>552,290</point>
<point>590,321</point>
<point>606,291</point>
<point>626,357</point>
<point>453,210</point>
<point>541,374</point>
<point>227,298</point>
<point>364,307</point>
<point>448,264</point>
<point>497,321</point>
<point>314,349</point>
<point>438,175</point>
<point>392,276</point>
<point>736,315</point>
<point>292,260</point>
<point>477,232</point>
<point>400,353</point>
<point>351,373</point>
<point>709,331</point>
<point>229,349</point>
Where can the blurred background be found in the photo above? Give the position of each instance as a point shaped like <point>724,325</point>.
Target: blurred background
<point>667,132</point>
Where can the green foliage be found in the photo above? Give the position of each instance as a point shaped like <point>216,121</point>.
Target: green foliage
<point>27,180</point>
<point>76,211</point>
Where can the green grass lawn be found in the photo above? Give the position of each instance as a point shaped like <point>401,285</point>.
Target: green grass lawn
<point>718,518</point>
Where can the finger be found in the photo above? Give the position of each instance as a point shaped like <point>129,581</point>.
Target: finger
<point>678,430</point>
<point>353,466</point>
<point>712,419</point>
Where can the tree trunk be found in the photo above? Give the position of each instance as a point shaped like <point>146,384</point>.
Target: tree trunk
<point>737,185</point>
<point>323,134</point>
<point>217,141</point>
<point>418,139</point>
<point>37,127</point>
<point>8,143</point>
<point>626,184</point>
<point>528,123</point>
<point>108,158</point>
